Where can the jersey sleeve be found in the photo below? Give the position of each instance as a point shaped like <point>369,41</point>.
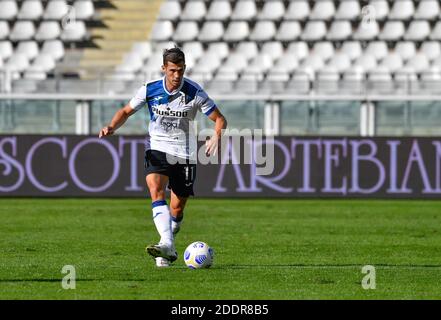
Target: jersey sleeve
<point>139,100</point>
<point>205,104</point>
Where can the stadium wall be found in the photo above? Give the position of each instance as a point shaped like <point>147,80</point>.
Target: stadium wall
<point>303,167</point>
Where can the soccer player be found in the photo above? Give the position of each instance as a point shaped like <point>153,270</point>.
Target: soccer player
<point>170,157</point>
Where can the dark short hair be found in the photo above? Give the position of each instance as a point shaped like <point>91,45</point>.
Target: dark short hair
<point>174,55</point>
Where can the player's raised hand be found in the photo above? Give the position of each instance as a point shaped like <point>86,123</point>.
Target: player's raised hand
<point>106,131</point>
<point>211,145</point>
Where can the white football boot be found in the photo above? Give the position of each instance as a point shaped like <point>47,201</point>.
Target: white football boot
<point>162,250</point>
<point>162,262</point>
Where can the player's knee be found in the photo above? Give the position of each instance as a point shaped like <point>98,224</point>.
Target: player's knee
<point>177,209</point>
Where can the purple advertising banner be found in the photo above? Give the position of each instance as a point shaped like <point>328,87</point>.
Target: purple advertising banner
<point>303,167</point>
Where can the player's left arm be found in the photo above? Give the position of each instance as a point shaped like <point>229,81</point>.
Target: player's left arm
<point>212,144</point>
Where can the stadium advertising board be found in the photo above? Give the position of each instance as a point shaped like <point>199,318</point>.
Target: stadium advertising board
<point>300,167</point>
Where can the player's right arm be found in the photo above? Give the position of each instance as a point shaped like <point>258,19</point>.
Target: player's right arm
<point>121,116</point>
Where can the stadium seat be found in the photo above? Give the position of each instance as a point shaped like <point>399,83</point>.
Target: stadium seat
<point>132,63</point>
<point>219,10</point>
<point>4,30</point>
<point>22,30</point>
<point>392,62</point>
<point>30,10</point>
<point>48,30</point>
<point>263,31</point>
<point>297,10</point>
<point>313,62</point>
<point>206,65</point>
<point>186,31</point>
<point>211,31</point>
<point>84,9</point>
<point>287,62</point>
<point>427,10</point>
<point>392,31</point>
<point>353,80</point>
<point>274,49</point>
<point>170,10</point>
<point>195,47</point>
<point>418,62</point>
<point>322,10</point>
<point>54,48</point>
<point>339,30</point>
<point>366,62</point>
<point>367,32</point>
<point>237,31</point>
<point>6,49</point>
<point>76,32</point>
<point>248,48</point>
<point>272,10</point>
<point>244,10</point>
<point>8,9</point>
<point>260,64</point>
<point>288,31</point>
<point>380,80</point>
<point>17,62</point>
<point>381,9</point>
<point>152,68</point>
<point>431,79</point>
<point>378,49</point>
<point>324,49</point>
<point>340,61</point>
<point>300,49</point>
<point>219,48</point>
<point>194,10</point>
<point>418,31</point>
<point>56,10</point>
<point>436,32</point>
<point>328,80</point>
<point>405,49</point>
<point>436,62</point>
<point>300,81</point>
<point>162,31</point>
<point>352,49</point>
<point>431,49</point>
<point>43,62</point>
<point>348,10</point>
<point>28,48</point>
<point>314,31</point>
<point>402,10</point>
<point>142,49</point>
<point>235,63</point>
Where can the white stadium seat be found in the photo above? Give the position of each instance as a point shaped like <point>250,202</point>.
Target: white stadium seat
<point>339,30</point>
<point>405,49</point>
<point>237,31</point>
<point>186,31</point>
<point>297,10</point>
<point>48,30</point>
<point>352,49</point>
<point>194,10</point>
<point>170,10</point>
<point>55,48</point>
<point>44,62</point>
<point>248,48</point>
<point>300,49</point>
<point>211,31</point>
<point>378,49</point>
<point>322,10</point>
<point>30,10</point>
<point>143,49</point>
<point>235,62</point>
<point>431,49</point>
<point>8,9</point>
<point>244,10</point>
<point>76,32</point>
<point>84,9</point>
<point>162,31</point>
<point>367,31</point>
<point>366,62</point>
<point>17,62</point>
<point>380,79</point>
<point>263,31</point>
<point>220,49</point>
<point>288,61</point>
<point>418,62</point>
<point>274,49</point>
<point>313,61</point>
<point>324,49</point>
<point>402,10</point>
<point>289,31</point>
<point>22,30</point>
<point>427,10</point>
<point>56,10</point>
<point>4,30</point>
<point>392,31</point>
<point>392,62</point>
<point>219,10</point>
<point>6,49</point>
<point>348,10</point>
<point>340,61</point>
<point>418,31</point>
<point>195,47</point>
<point>436,32</point>
<point>381,9</point>
<point>28,48</point>
<point>314,30</point>
<point>272,10</point>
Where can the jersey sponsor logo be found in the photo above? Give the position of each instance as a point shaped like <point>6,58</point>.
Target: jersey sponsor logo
<point>170,113</point>
<point>168,126</point>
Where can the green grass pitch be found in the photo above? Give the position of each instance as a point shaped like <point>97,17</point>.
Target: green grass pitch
<point>264,249</point>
